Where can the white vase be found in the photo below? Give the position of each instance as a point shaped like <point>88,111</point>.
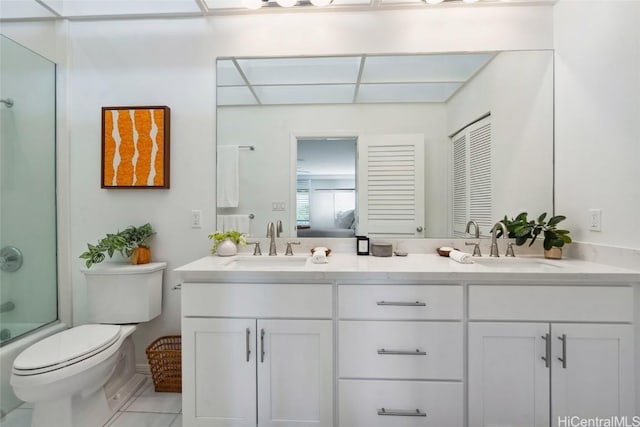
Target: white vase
<point>227,248</point>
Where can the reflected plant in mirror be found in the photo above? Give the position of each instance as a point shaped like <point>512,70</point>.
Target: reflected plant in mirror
<point>439,140</point>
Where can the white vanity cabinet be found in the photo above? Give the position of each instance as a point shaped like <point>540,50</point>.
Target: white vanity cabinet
<point>400,355</point>
<point>538,354</point>
<point>251,359</point>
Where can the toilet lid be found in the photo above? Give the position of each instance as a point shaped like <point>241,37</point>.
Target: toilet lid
<point>66,347</point>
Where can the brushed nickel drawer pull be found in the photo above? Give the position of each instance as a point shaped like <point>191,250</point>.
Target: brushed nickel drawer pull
<point>248,348</point>
<point>417,352</point>
<point>402,412</point>
<point>563,359</point>
<point>547,351</point>
<point>403,303</point>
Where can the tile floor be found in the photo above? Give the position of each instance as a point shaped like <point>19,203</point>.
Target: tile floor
<point>146,409</point>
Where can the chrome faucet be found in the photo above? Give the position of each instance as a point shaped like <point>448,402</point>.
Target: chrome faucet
<point>278,228</point>
<point>476,246</point>
<point>494,232</point>
<point>271,234</point>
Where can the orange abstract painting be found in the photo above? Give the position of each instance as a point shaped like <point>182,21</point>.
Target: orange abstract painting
<point>135,147</point>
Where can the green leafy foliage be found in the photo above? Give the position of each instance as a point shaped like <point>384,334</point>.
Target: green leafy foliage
<point>219,237</point>
<point>124,242</point>
<point>523,229</point>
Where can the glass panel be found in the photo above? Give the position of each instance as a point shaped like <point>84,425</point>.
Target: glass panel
<point>28,292</point>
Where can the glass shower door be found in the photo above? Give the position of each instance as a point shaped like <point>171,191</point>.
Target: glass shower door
<point>28,273</point>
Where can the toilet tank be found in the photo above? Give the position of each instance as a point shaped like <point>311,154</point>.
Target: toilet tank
<point>120,293</point>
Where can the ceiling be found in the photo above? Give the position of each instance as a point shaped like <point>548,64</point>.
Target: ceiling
<point>117,9</point>
<point>357,79</point>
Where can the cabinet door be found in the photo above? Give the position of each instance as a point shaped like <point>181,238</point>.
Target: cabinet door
<point>219,372</point>
<point>295,373</point>
<point>508,379</point>
<point>596,377</point>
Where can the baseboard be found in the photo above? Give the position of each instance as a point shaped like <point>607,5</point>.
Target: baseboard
<point>143,368</point>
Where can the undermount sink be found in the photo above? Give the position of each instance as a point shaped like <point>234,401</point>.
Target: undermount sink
<point>271,262</point>
<point>517,263</point>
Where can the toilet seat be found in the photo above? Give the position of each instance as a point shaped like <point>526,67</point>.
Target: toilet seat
<point>66,348</point>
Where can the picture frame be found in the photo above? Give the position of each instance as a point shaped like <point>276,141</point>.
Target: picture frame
<point>135,147</point>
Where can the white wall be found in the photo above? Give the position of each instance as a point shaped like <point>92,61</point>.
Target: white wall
<point>517,89</point>
<point>266,172</point>
<point>39,36</point>
<point>597,116</point>
<point>143,63</point>
<point>172,62</point>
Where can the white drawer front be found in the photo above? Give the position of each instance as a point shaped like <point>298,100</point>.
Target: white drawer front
<point>551,303</point>
<point>256,300</point>
<point>371,350</point>
<point>361,401</point>
<point>400,302</point>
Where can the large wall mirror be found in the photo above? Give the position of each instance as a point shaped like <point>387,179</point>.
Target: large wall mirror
<point>436,140</point>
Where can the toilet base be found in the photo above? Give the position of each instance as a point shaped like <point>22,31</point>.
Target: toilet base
<point>90,397</point>
<point>85,411</point>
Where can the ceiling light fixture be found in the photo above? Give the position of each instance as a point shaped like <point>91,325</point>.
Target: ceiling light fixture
<point>469,1</point>
<point>252,4</point>
<point>286,3</point>
<point>321,3</point>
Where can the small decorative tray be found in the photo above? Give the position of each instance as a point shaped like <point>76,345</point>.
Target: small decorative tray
<point>444,250</point>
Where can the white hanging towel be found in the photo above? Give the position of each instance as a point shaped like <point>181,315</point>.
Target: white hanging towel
<point>240,223</point>
<point>228,176</point>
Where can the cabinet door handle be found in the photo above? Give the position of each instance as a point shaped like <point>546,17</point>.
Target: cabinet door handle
<point>403,303</point>
<point>563,359</point>
<point>547,351</point>
<point>402,412</point>
<point>416,352</point>
<point>261,345</point>
<point>248,335</point>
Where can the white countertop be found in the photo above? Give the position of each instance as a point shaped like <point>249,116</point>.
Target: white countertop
<point>422,268</point>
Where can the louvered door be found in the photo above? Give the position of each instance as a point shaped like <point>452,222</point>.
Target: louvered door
<point>480,194</point>
<point>391,185</point>
<point>472,178</point>
<point>460,192</point>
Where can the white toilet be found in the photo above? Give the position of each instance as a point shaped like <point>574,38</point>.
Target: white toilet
<point>81,376</point>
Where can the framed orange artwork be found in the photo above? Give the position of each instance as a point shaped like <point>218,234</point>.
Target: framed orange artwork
<point>135,147</point>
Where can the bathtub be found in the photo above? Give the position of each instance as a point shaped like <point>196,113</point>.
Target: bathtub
<point>10,351</point>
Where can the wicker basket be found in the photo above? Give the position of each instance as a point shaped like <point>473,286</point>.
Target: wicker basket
<point>165,362</point>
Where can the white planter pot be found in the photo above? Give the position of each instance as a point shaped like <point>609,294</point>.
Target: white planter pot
<point>227,248</point>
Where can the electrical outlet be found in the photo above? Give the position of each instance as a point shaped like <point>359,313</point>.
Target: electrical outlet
<point>595,219</point>
<point>196,219</point>
<point>278,205</point>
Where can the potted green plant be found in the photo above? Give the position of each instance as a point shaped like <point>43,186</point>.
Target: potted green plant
<point>523,229</point>
<point>130,242</point>
<point>225,243</point>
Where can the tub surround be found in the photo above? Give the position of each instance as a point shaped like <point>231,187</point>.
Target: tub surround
<point>419,336</point>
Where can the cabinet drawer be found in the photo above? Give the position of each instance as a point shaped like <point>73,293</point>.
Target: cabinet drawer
<point>374,349</point>
<point>256,300</point>
<point>551,303</point>
<point>362,401</point>
<point>400,302</point>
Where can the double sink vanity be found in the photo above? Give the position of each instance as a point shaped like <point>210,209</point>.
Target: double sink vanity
<point>405,341</point>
